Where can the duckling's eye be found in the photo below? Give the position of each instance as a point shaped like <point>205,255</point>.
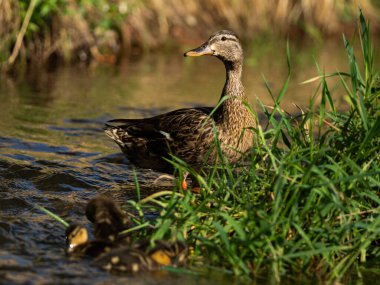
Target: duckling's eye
<point>224,38</point>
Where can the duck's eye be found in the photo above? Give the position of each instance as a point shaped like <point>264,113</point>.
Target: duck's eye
<point>224,38</point>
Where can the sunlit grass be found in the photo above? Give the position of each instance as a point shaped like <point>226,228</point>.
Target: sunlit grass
<point>309,201</point>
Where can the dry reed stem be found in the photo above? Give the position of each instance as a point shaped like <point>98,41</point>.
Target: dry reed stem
<point>158,20</point>
<point>21,33</point>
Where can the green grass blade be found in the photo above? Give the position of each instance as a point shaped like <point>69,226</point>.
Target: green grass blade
<point>51,214</point>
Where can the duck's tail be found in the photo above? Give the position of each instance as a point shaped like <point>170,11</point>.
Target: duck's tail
<point>115,133</point>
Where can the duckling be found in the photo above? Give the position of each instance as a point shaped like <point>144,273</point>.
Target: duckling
<point>142,257</point>
<point>164,253</point>
<point>189,133</point>
<point>78,244</point>
<point>108,218</point>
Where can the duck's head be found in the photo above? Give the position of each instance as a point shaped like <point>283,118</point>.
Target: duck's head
<point>223,44</point>
<point>75,235</point>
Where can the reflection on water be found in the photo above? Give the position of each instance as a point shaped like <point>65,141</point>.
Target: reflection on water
<point>53,151</point>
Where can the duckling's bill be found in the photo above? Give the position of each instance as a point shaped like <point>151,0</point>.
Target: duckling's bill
<point>202,50</point>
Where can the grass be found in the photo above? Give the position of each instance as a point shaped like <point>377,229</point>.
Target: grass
<point>310,203</point>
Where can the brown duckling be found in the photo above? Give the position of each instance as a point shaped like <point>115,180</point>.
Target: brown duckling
<point>143,257</point>
<point>189,133</point>
<point>78,244</point>
<point>108,219</point>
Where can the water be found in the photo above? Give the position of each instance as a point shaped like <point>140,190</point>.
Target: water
<point>53,151</point>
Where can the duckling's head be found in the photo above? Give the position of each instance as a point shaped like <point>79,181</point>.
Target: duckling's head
<point>165,254</point>
<point>75,235</point>
<point>223,44</point>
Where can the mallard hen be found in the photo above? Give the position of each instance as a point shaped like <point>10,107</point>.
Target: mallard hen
<point>190,133</point>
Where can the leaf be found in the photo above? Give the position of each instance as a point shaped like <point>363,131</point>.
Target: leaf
<point>51,214</point>
<point>235,225</point>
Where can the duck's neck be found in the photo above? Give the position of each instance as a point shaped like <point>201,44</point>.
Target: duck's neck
<point>233,91</point>
<point>233,86</point>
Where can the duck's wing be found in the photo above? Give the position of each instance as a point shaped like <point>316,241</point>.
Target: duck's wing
<point>186,133</point>
<point>143,128</point>
<point>161,126</point>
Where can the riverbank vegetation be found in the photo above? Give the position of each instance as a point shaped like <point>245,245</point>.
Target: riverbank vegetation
<point>309,201</point>
<point>35,32</point>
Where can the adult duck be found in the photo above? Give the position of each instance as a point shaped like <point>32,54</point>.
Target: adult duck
<point>191,133</point>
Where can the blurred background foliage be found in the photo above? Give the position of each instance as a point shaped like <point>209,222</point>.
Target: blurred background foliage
<point>37,31</point>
